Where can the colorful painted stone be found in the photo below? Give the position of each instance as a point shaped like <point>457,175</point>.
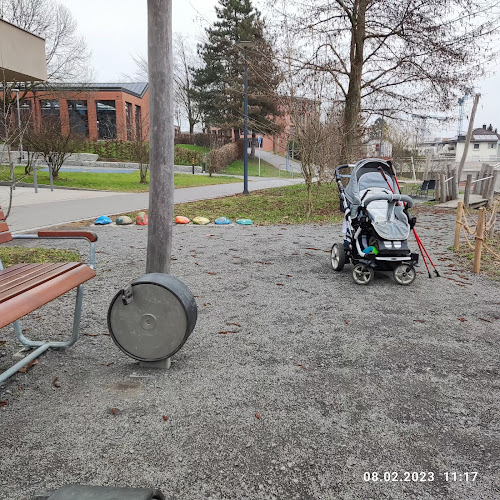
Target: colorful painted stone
<point>123,220</point>
<point>244,222</point>
<point>102,220</point>
<point>142,219</point>
<point>222,221</point>
<point>201,221</point>
<point>182,220</point>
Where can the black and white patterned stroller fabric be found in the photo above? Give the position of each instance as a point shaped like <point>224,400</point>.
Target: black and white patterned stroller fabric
<point>388,219</point>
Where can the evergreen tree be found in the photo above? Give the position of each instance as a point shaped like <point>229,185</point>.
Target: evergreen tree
<point>218,84</point>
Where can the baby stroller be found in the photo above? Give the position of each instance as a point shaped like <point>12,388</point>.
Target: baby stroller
<point>376,224</point>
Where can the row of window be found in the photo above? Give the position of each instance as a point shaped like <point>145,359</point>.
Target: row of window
<point>491,145</point>
<point>79,120</point>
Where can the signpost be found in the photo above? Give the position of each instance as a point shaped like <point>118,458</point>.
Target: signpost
<point>260,144</point>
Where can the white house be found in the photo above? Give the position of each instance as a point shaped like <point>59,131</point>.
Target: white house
<point>483,147</point>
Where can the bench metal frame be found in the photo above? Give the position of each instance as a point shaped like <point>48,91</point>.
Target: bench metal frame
<point>40,346</point>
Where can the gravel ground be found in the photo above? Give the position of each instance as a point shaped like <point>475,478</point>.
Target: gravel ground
<point>316,381</point>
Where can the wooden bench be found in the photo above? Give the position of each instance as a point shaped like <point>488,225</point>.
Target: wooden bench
<point>26,287</point>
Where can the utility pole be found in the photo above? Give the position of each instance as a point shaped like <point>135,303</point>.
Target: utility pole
<point>467,141</point>
<point>161,136</point>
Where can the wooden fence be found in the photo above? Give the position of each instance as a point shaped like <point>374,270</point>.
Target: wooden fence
<point>479,229</point>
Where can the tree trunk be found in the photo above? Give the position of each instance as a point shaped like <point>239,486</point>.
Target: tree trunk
<point>252,150</point>
<point>352,111</point>
<point>191,126</point>
<point>236,134</point>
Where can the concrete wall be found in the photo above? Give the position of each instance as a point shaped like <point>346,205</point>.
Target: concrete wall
<point>22,55</point>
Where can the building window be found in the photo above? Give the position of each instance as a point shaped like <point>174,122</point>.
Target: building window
<point>78,117</point>
<point>476,146</point>
<point>50,108</point>
<point>138,123</point>
<point>25,111</point>
<point>128,120</point>
<point>106,119</point>
<point>492,145</point>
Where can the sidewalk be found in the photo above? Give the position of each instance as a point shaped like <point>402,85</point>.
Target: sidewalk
<point>33,211</point>
<point>278,161</point>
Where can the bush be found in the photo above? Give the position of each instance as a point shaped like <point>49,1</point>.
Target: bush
<point>205,140</point>
<point>184,156</point>
<point>224,156</point>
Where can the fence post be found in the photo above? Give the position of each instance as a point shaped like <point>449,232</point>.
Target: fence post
<point>493,213</point>
<point>458,225</point>
<point>442,186</point>
<point>479,239</point>
<point>477,185</point>
<point>437,190</point>
<point>454,184</point>
<point>491,188</point>
<point>468,186</point>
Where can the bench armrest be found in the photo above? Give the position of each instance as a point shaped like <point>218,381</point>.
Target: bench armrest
<point>89,235</point>
<point>72,235</point>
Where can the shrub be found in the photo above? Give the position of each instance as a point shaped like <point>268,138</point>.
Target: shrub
<point>224,156</point>
<point>205,140</point>
<point>184,156</point>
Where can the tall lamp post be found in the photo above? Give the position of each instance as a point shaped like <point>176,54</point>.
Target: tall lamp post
<point>20,126</point>
<point>245,45</point>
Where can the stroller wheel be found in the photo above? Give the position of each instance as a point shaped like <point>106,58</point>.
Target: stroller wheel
<point>404,274</point>
<point>338,257</point>
<point>362,274</point>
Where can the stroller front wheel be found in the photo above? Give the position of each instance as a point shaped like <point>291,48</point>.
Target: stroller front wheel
<point>338,257</point>
<point>362,274</point>
<point>404,274</point>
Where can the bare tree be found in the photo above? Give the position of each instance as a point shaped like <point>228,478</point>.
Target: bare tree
<point>66,53</point>
<point>401,55</point>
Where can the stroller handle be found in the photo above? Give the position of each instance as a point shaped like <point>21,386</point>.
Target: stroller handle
<point>391,198</point>
<point>338,175</point>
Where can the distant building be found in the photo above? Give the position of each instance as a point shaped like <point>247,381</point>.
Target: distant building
<point>374,149</point>
<point>96,111</point>
<point>484,145</point>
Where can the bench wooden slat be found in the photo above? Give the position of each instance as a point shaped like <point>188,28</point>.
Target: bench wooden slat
<point>48,275</point>
<point>5,237</point>
<point>20,305</point>
<point>15,269</point>
<point>26,274</point>
<point>2,215</point>
<point>3,227</point>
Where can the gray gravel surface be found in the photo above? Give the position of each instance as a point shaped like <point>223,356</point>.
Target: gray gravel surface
<point>316,381</point>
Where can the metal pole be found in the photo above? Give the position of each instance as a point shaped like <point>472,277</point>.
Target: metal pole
<point>259,155</point>
<point>161,136</point>
<point>20,128</point>
<point>381,136</point>
<point>245,128</point>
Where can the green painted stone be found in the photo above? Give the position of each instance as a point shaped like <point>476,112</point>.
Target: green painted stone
<point>124,220</point>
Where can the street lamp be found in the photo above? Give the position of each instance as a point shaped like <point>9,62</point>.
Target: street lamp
<point>245,45</point>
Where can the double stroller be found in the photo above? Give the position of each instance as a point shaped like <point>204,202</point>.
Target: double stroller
<point>376,223</point>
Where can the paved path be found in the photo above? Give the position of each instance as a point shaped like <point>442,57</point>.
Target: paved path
<point>32,211</point>
<point>278,161</point>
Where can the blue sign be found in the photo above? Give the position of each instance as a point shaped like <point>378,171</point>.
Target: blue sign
<point>260,141</point>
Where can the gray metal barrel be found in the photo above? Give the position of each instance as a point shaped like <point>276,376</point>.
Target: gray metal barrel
<point>152,318</point>
<point>79,492</point>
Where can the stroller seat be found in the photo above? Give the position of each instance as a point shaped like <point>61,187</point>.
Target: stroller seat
<point>388,219</point>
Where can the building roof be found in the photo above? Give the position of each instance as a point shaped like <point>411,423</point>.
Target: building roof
<point>482,134</point>
<point>137,89</point>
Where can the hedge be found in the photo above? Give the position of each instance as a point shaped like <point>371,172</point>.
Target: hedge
<point>224,156</point>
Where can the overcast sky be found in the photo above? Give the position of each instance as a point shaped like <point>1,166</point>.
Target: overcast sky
<point>116,30</point>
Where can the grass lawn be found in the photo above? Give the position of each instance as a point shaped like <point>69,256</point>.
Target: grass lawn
<point>192,147</point>
<point>117,182</point>
<point>283,205</point>
<point>266,169</point>
<point>19,255</point>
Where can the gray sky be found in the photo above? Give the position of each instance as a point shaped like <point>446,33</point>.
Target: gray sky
<point>116,30</point>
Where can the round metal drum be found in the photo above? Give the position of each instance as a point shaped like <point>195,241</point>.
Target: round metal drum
<point>152,318</point>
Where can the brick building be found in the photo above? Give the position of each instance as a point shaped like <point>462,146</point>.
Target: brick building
<point>96,111</point>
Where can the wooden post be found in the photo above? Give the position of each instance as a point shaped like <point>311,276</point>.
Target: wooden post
<point>491,188</point>
<point>479,239</point>
<point>469,135</point>
<point>468,187</point>
<point>426,168</point>
<point>491,232</point>
<point>458,225</point>
<point>442,186</point>
<point>161,142</point>
<point>454,185</point>
<point>477,185</point>
<point>437,191</point>
<point>486,184</point>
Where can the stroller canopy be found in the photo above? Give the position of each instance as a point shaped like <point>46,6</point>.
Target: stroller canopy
<point>366,174</point>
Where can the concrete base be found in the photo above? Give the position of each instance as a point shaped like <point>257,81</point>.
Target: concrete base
<point>163,364</point>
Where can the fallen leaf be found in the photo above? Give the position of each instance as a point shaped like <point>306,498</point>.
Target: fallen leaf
<point>484,319</point>
<point>91,334</point>
<point>346,322</point>
<point>165,418</point>
<point>225,332</point>
<point>233,324</point>
<point>462,319</point>
<point>26,330</point>
<point>289,276</point>
<point>207,304</point>
<point>132,246</point>
<point>173,258</point>
<point>419,320</point>
<point>303,367</point>
<point>210,235</point>
<point>211,273</point>
<point>279,284</point>
<point>310,314</point>
<point>56,383</point>
<point>4,403</point>
<point>25,368</point>
<point>2,342</point>
<point>257,416</point>
<point>311,248</point>
<point>107,334</point>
